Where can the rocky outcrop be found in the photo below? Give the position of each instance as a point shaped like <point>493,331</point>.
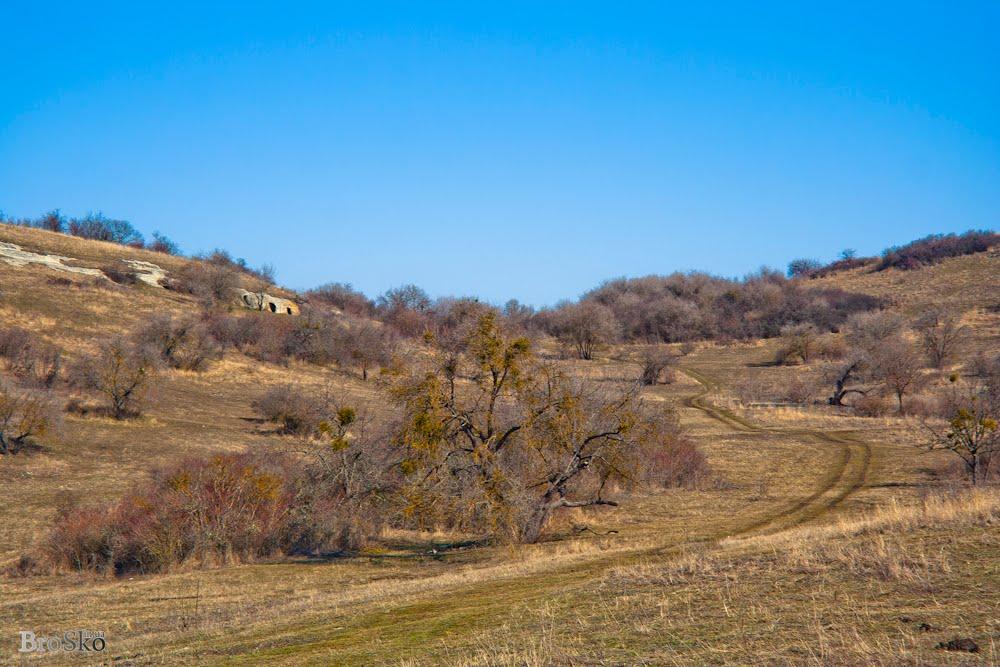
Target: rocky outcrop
<point>267,303</point>
<point>14,254</point>
<point>146,272</point>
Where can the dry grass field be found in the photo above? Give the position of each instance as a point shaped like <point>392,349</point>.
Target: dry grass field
<point>822,538</point>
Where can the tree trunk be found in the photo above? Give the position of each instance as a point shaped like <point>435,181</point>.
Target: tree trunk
<point>532,530</point>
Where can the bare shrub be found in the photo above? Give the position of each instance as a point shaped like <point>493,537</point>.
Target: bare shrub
<point>183,343</point>
<point>934,248</point>
<point>867,331</point>
<point>161,243</point>
<point>684,307</point>
<point>29,358</point>
<point>586,327</point>
<point>24,415</point>
<point>220,509</point>
<point>52,221</point>
<point>803,268</point>
<point>831,348</point>
<point>799,344</point>
<point>213,284</point>
<point>406,309</point>
<point>364,345</point>
<point>751,390</point>
<point>122,372</point>
<point>96,227</point>
<point>292,409</point>
<point>657,367</point>
<point>871,405</point>
<point>343,297</point>
<point>798,390</point>
<point>942,336</point>
<point>898,366</point>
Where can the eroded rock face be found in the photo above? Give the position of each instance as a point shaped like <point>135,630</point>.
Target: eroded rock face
<point>267,303</point>
<point>147,272</point>
<point>14,254</point>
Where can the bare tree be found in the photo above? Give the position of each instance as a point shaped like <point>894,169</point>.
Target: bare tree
<point>368,346</point>
<point>847,378</point>
<point>941,335</point>
<point>867,331</point>
<point>123,373</point>
<point>799,342</point>
<point>898,366</point>
<point>587,326</point>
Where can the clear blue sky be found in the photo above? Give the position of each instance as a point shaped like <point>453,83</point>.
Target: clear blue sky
<point>509,150</point>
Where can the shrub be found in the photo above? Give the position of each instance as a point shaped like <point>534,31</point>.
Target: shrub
<point>122,372</point>
<point>343,297</point>
<point>934,248</point>
<point>98,228</point>
<point>843,264</point>
<point>942,335</point>
<point>291,409</point>
<point>586,327</point>
<point>802,268</point>
<point>212,284</point>
<point>871,405</point>
<point>161,243</point>
<point>657,367</point>
<point>223,508</point>
<point>687,307</point>
<point>182,343</point>
<point>798,390</point>
<point>406,309</point>
<point>29,358</point>
<point>24,415</point>
<point>52,221</point>
<point>799,344</point>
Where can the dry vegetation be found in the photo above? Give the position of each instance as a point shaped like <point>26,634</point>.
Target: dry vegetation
<point>817,536</point>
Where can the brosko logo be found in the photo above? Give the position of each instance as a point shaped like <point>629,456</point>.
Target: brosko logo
<point>74,640</point>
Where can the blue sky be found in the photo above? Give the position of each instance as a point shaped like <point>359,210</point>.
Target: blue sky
<point>525,150</point>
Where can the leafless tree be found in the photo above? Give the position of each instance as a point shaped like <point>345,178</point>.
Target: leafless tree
<point>799,343</point>
<point>941,335</point>
<point>898,366</point>
<point>846,378</point>
<point>867,331</point>
<point>586,327</point>
<point>122,372</point>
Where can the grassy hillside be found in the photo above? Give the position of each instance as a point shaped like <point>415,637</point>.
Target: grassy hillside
<point>821,537</point>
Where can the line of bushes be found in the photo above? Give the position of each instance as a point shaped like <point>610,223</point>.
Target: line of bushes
<point>922,252</point>
<point>97,227</point>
